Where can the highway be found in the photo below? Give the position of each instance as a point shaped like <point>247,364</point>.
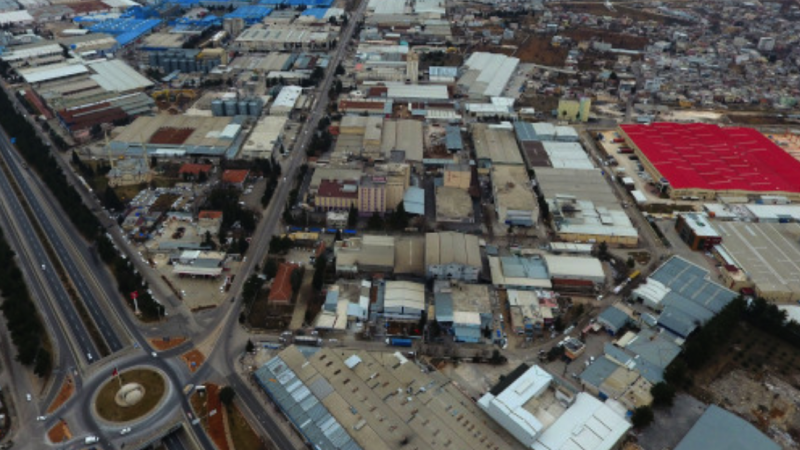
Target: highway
<point>47,219</point>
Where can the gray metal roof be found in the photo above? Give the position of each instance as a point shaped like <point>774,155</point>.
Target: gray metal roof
<point>444,306</point>
<point>677,321</point>
<point>718,429</point>
<point>453,138</point>
<point>691,281</point>
<point>614,317</point>
<point>598,371</point>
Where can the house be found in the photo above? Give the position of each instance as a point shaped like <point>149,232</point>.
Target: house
<point>281,291</point>
<point>235,178</point>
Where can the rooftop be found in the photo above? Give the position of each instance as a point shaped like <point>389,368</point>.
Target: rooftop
<point>453,204</point>
<point>704,156</point>
<point>235,176</point>
<point>452,248</point>
<point>281,290</point>
<point>718,429</point>
<point>495,144</point>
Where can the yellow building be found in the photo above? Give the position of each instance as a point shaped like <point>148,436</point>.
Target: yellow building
<point>574,110</point>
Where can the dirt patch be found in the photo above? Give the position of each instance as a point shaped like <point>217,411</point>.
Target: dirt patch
<point>193,359</point>
<point>538,50</point>
<point>59,433</point>
<point>215,425</point>
<point>66,391</point>
<point>167,343</point>
<point>768,402</point>
<point>758,119</point>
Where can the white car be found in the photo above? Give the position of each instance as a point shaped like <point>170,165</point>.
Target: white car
<point>43,267</point>
<point>28,397</point>
<point>41,418</point>
<point>154,354</point>
<point>124,431</point>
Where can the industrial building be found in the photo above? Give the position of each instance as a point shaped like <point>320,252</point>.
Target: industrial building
<point>167,135</point>
<point>703,161</point>
<point>368,253</point>
<point>573,272</point>
<point>367,400</point>
<point>451,255</point>
<point>495,145</point>
<point>402,136</point>
<point>684,294</point>
<point>487,74</point>
<point>521,273</point>
<point>187,60</point>
<point>697,231</point>
<point>463,309</point>
<point>574,110</point>
<point>614,319</point>
<point>346,304</point>
<point>545,415</point>
<point>286,101</point>
<point>402,301</point>
<point>718,429</point>
<point>584,208</point>
<point>531,312</point>
<point>265,139</point>
<point>767,254</point>
<point>605,378</point>
<point>199,264</point>
<point>514,200</point>
<point>260,38</point>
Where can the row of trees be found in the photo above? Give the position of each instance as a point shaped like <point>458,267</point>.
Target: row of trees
<point>22,318</point>
<point>38,156</point>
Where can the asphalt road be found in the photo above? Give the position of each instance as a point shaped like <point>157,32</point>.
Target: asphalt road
<point>46,219</point>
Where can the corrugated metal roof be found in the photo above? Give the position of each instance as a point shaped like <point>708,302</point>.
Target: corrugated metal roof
<point>718,429</point>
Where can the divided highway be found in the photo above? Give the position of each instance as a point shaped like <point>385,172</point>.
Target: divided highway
<point>46,219</point>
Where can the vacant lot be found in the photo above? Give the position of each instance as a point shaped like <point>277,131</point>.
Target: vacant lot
<point>67,389</point>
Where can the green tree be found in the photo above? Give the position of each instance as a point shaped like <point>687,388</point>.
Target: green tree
<point>399,218</point>
<point>226,396</point>
<point>676,373</point>
<point>602,252</point>
<point>319,272</point>
<point>43,363</point>
<point>642,417</point>
<point>249,347</point>
<point>296,279</point>
<point>663,394</point>
<point>270,268</point>
<point>352,217</point>
<point>630,262</point>
<point>375,222</point>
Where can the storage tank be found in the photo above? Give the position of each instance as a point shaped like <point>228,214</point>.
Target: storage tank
<point>243,108</point>
<point>217,108</point>
<point>230,107</point>
<point>255,106</point>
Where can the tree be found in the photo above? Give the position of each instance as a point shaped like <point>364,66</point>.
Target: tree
<point>338,235</point>
<point>642,417</point>
<point>249,347</point>
<point>663,394</point>
<point>630,262</point>
<point>43,363</point>
<point>226,396</point>
<point>270,268</point>
<point>602,252</point>
<point>352,216</point>
<point>676,373</point>
<point>375,222</point>
<point>319,272</point>
<point>399,218</point>
<point>339,70</point>
<point>296,279</point>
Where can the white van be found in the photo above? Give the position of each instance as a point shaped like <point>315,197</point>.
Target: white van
<point>91,440</point>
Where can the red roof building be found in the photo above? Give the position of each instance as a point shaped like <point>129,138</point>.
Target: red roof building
<point>210,215</point>
<point>194,169</point>
<point>335,195</point>
<point>235,177</point>
<point>703,160</point>
<point>281,291</point>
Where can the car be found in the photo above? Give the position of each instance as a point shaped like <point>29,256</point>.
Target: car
<point>154,354</point>
<point>43,267</point>
<point>41,418</point>
<point>28,397</point>
<point>89,356</point>
<point>124,431</point>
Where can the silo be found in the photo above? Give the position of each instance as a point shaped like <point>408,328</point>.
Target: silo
<point>254,107</point>
<point>243,107</point>
<point>230,107</point>
<point>217,108</point>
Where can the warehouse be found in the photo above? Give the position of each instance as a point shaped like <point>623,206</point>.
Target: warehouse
<point>51,72</point>
<point>314,389</point>
<point>515,272</point>
<point>495,145</point>
<point>703,160</point>
<point>116,76</point>
<point>544,415</point>
<point>451,255</point>
<point>567,155</point>
<point>487,74</point>
<point>768,253</point>
<point>584,208</point>
<point>402,136</point>
<point>265,138</point>
<point>368,253</point>
<point>514,200</point>
<point>402,300</point>
<point>718,429</point>
<point>286,101</point>
<point>416,93</point>
<point>684,294</point>
<point>259,38</point>
<point>179,135</point>
<point>575,268</point>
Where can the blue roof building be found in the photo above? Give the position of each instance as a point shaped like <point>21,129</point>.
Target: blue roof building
<point>613,319</point>
<point>251,14</point>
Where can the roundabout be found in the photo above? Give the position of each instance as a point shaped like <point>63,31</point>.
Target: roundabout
<point>131,395</point>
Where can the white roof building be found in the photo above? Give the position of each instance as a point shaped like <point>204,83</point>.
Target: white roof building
<point>487,74</point>
<point>116,76</point>
<point>264,138</point>
<point>403,300</point>
<point>588,424</point>
<point>15,17</point>
<point>575,267</point>
<point>286,100</point>
<point>51,72</point>
<point>417,92</point>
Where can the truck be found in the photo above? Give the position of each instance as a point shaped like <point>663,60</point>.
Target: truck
<point>618,140</point>
<point>625,150</point>
<point>312,341</point>
<point>399,342</point>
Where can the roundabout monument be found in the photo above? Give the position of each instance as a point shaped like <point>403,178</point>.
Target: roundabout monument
<point>130,395</point>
